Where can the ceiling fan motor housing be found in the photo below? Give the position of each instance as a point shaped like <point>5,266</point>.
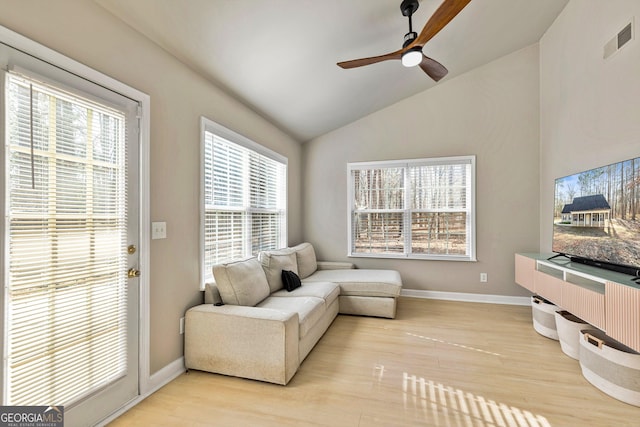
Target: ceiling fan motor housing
<point>409,37</point>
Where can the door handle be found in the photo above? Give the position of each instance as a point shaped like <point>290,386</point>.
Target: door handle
<point>133,273</point>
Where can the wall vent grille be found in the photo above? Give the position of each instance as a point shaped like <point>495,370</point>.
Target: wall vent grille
<point>624,36</point>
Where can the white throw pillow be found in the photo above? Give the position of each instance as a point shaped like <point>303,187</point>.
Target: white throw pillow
<point>241,282</point>
<point>306,260</point>
<point>273,262</point>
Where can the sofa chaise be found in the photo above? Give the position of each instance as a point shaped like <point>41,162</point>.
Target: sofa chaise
<point>250,326</point>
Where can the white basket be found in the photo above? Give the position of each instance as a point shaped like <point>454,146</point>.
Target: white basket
<point>569,327</point>
<point>610,366</point>
<point>544,317</point>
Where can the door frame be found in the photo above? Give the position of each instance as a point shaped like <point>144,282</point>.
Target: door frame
<point>56,59</point>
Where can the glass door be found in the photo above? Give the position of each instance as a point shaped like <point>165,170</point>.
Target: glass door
<point>71,294</point>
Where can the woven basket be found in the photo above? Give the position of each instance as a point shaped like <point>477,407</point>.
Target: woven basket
<point>569,327</point>
<point>544,317</point>
<point>610,366</point>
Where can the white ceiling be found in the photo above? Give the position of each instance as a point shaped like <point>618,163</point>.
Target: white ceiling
<point>279,56</point>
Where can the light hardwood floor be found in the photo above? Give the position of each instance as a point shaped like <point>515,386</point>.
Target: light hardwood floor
<point>439,363</point>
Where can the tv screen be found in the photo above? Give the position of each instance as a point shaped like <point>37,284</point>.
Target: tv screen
<point>596,215</point>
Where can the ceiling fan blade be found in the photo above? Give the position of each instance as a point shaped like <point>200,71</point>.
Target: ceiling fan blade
<point>441,17</point>
<point>372,60</point>
<point>433,68</point>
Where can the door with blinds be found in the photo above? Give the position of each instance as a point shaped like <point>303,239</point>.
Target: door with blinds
<point>70,244</point>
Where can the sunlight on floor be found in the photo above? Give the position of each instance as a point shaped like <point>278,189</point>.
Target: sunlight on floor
<point>446,405</point>
<point>466,347</point>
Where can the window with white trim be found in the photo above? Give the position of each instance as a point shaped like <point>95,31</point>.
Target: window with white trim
<point>244,198</point>
<point>419,208</point>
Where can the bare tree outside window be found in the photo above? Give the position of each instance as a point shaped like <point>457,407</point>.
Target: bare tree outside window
<point>413,208</point>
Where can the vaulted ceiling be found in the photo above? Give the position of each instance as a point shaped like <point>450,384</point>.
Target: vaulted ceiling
<point>279,56</point>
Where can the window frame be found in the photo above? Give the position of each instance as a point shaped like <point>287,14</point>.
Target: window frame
<point>207,125</point>
<point>407,209</point>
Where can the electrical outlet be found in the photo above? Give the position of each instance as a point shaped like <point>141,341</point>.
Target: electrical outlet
<point>181,325</point>
<point>158,230</point>
<point>483,277</point>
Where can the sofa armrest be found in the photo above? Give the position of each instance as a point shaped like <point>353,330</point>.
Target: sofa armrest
<point>248,342</point>
<point>335,265</point>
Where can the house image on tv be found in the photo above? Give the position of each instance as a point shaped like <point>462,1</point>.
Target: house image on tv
<point>587,211</point>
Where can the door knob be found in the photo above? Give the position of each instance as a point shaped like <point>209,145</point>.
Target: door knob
<point>133,273</point>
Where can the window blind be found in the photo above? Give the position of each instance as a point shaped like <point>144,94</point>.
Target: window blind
<point>66,205</point>
<point>420,208</point>
<point>244,201</point>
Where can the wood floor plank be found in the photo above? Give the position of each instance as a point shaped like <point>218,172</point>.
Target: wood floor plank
<point>439,363</point>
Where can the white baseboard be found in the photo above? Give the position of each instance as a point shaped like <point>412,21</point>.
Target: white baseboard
<point>165,375</point>
<point>459,296</point>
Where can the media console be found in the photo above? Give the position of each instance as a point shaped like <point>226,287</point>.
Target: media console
<point>606,299</point>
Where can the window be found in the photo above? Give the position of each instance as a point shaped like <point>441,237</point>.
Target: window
<point>244,188</point>
<point>422,208</point>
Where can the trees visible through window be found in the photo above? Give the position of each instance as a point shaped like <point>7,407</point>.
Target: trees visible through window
<point>413,208</point>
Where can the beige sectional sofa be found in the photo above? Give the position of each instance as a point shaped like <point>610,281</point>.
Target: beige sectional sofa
<point>251,327</point>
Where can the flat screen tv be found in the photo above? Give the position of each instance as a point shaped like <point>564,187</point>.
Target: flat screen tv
<point>596,217</point>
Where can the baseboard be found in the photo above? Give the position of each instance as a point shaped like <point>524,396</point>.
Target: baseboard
<point>459,296</point>
<point>156,381</point>
<point>165,375</point>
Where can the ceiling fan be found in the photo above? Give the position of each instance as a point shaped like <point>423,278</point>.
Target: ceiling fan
<point>411,52</point>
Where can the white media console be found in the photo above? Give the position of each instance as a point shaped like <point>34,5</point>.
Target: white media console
<point>606,299</point>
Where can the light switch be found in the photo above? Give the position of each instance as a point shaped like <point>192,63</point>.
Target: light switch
<point>158,230</point>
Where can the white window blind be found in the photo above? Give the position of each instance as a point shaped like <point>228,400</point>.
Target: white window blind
<point>244,198</point>
<point>66,218</point>
<point>413,208</point>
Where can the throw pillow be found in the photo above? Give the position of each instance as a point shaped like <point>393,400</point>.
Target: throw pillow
<point>273,262</point>
<point>290,280</point>
<point>241,282</point>
<point>306,259</point>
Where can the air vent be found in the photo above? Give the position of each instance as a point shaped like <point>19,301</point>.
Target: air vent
<point>624,36</point>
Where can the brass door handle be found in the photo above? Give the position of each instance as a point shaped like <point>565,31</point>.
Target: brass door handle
<point>133,273</point>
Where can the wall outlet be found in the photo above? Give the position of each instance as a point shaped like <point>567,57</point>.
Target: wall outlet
<point>483,277</point>
<point>158,230</point>
<point>181,325</point>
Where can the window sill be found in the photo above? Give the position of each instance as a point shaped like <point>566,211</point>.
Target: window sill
<point>415,257</point>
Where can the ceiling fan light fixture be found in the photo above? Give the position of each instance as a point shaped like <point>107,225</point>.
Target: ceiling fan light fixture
<point>412,57</point>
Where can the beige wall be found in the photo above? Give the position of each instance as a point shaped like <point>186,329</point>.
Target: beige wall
<point>590,106</point>
<point>492,112</point>
<point>87,33</point>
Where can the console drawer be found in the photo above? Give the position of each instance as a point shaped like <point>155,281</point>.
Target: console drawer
<point>587,304</point>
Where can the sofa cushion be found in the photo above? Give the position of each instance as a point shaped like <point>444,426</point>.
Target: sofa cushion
<point>306,259</point>
<point>290,280</point>
<point>273,262</point>
<point>328,291</point>
<point>374,283</point>
<point>212,294</point>
<point>309,309</point>
<point>241,282</point>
